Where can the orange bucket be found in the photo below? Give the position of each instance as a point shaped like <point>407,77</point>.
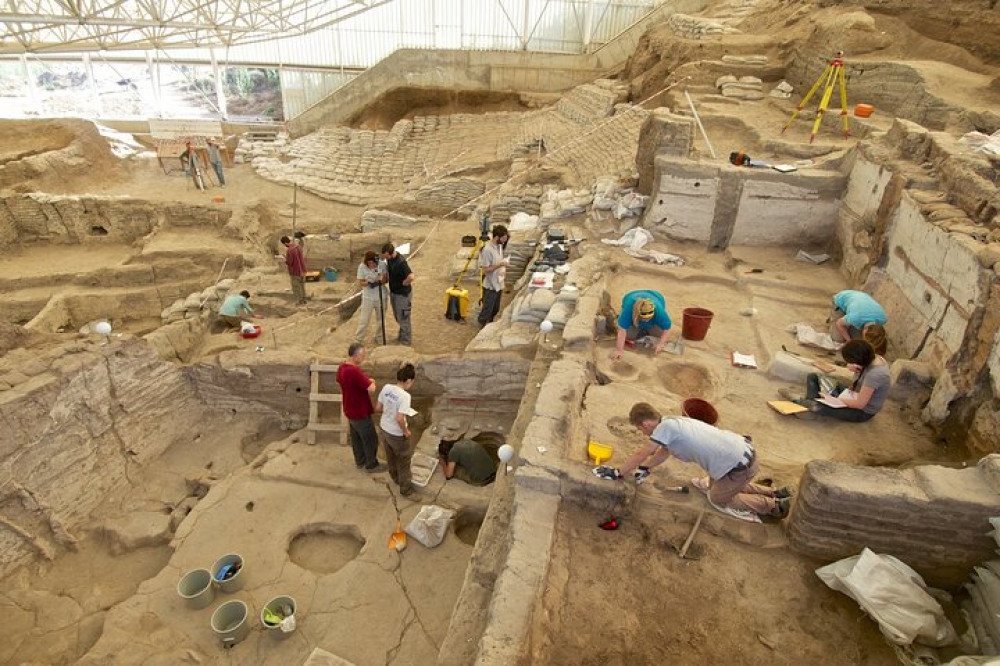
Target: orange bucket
<point>863,110</point>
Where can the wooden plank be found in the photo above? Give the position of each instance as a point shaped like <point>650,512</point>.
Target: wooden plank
<point>327,427</point>
<point>325,397</point>
<point>313,406</point>
<point>180,129</point>
<point>321,367</point>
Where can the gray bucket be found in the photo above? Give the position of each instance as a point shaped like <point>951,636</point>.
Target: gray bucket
<point>276,605</point>
<point>236,581</point>
<point>196,589</point>
<point>231,622</point>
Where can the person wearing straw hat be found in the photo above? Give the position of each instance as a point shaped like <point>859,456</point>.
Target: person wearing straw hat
<point>643,313</point>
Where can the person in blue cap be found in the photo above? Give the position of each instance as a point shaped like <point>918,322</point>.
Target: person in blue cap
<point>644,312</point>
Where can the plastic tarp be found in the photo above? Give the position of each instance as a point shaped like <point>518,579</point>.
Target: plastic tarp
<point>430,525</point>
<point>810,337</point>
<point>894,595</point>
<point>635,241</point>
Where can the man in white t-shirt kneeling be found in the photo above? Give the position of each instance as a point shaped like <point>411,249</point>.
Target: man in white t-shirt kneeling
<point>727,457</point>
<point>394,403</point>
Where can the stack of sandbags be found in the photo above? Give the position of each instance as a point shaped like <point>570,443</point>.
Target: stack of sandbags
<point>983,605</point>
<point>533,305</point>
<point>564,306</point>
<point>783,90</point>
<point>744,87</point>
<point>565,203</point>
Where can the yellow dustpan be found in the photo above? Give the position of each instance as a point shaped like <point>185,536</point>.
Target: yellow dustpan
<point>599,452</point>
<point>397,540</point>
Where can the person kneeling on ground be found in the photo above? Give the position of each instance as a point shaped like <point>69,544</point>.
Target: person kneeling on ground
<point>394,403</point>
<point>644,312</point>
<point>866,396</point>
<point>728,458</point>
<point>234,307</point>
<point>466,459</point>
<point>852,310</point>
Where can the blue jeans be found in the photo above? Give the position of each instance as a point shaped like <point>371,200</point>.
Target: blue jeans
<point>218,172</point>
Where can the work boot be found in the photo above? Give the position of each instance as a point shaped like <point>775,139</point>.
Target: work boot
<point>783,493</point>
<point>376,468</point>
<point>780,512</point>
<point>789,394</point>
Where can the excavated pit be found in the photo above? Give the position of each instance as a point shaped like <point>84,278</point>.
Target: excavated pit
<point>325,549</point>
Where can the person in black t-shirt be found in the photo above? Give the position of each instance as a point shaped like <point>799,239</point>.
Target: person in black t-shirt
<point>400,291</point>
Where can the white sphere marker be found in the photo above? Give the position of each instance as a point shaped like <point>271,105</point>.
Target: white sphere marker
<point>103,328</point>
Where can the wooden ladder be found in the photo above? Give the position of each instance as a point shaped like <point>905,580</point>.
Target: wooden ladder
<point>316,398</point>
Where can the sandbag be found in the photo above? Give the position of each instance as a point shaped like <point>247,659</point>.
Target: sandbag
<point>430,525</point>
<point>894,595</point>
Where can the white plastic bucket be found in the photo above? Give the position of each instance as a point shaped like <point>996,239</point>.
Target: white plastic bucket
<point>196,589</point>
<point>276,606</point>
<point>236,581</point>
<point>231,622</point>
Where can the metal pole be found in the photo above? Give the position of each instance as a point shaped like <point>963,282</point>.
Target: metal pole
<point>381,309</point>
<point>700,126</point>
<point>295,205</point>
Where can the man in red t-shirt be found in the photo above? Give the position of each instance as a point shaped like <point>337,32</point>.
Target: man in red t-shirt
<point>357,390</point>
<point>295,261</point>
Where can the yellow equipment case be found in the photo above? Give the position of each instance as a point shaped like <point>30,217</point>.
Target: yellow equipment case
<point>456,303</point>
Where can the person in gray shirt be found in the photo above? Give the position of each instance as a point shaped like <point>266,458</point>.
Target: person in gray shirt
<point>869,389</point>
<point>729,459</point>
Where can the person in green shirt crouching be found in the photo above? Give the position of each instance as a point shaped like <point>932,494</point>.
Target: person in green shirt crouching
<point>234,308</point>
<point>468,460</point>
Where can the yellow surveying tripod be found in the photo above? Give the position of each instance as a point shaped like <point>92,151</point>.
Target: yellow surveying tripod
<point>833,74</point>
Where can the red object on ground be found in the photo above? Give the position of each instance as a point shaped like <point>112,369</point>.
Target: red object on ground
<point>863,110</point>
<point>610,524</point>
<point>696,408</point>
<point>696,323</point>
<point>248,334</point>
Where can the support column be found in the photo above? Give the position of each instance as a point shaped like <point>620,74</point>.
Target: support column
<point>154,78</point>
<point>30,82</point>
<point>220,89</point>
<point>88,65</point>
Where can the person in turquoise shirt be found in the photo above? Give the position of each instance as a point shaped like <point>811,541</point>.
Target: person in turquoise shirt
<point>644,312</point>
<point>234,307</point>
<point>852,311</point>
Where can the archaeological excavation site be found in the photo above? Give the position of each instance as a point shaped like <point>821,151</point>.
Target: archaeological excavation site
<point>500,332</point>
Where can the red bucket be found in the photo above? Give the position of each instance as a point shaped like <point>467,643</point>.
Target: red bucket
<point>696,323</point>
<point>247,334</point>
<point>696,408</point>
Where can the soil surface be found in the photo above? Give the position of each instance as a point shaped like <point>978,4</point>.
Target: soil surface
<point>626,597</point>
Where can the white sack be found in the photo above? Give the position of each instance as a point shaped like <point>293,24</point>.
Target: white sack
<point>430,525</point>
<point>808,336</point>
<point>894,595</point>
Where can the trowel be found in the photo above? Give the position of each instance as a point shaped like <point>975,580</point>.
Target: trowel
<point>397,540</point>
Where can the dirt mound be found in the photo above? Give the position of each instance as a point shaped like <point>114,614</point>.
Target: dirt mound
<point>401,103</point>
<point>13,336</point>
<point>54,155</point>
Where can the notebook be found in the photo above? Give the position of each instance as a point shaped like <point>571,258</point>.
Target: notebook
<point>786,407</point>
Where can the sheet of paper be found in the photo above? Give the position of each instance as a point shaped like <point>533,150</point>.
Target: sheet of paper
<point>830,401</point>
<point>744,359</point>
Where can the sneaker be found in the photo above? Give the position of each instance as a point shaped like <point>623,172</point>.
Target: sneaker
<point>789,394</point>
<point>376,468</point>
<point>811,415</point>
<point>783,493</point>
<point>406,492</point>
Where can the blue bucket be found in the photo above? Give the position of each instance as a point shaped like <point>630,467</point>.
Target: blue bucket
<point>330,274</point>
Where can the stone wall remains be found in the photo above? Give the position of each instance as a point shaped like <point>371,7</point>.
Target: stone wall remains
<point>934,518</point>
<point>727,204</point>
<point>920,230</point>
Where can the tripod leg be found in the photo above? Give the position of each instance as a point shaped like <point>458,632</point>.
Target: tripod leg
<point>843,102</point>
<point>823,103</point>
<point>805,100</point>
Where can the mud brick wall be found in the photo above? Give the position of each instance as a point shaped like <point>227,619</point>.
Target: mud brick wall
<point>933,518</point>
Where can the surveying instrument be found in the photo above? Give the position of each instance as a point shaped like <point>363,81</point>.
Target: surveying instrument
<point>832,75</point>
